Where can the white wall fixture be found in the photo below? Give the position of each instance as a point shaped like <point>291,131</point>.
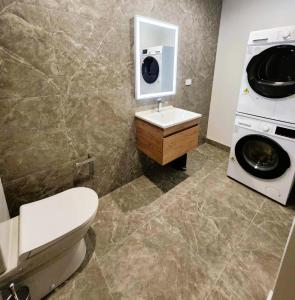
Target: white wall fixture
<point>156,47</point>
<point>188,81</point>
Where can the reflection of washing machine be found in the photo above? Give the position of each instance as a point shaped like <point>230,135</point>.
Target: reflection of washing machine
<point>157,69</point>
<point>263,156</point>
<point>268,84</point>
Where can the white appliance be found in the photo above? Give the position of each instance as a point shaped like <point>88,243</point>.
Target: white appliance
<point>268,82</point>
<point>157,65</point>
<point>44,245</point>
<point>263,156</point>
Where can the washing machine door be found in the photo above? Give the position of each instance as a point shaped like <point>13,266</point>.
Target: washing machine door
<point>261,156</point>
<point>271,73</point>
<point>150,69</point>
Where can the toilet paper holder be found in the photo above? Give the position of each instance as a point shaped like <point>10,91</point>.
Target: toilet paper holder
<point>81,177</point>
<point>90,159</point>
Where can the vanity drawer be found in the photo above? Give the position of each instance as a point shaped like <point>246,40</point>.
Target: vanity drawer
<point>180,127</point>
<point>163,148</point>
<point>179,144</point>
<point>149,140</point>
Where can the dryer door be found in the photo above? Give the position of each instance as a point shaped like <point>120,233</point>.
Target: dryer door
<point>150,69</point>
<point>261,156</point>
<point>271,73</point>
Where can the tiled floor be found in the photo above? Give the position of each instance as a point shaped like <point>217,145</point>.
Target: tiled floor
<point>183,235</point>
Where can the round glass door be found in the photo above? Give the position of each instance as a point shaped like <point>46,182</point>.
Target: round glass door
<point>272,72</point>
<point>150,69</point>
<point>262,156</point>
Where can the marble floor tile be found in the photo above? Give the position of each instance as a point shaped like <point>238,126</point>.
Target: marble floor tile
<point>124,210</point>
<point>221,172</point>
<point>222,292</point>
<point>252,270</point>
<point>214,153</point>
<point>87,282</point>
<point>113,224</point>
<point>165,177</point>
<point>210,228</point>
<point>275,219</point>
<point>138,193</point>
<point>183,235</point>
<point>155,263</point>
<point>198,165</point>
<point>248,202</point>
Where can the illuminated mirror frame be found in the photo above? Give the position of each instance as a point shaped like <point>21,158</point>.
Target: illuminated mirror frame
<point>137,21</point>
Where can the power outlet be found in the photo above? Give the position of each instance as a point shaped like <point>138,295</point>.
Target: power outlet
<point>188,81</point>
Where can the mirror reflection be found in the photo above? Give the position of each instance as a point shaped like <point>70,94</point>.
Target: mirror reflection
<point>156,58</point>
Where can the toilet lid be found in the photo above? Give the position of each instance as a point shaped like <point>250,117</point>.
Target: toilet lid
<point>47,220</point>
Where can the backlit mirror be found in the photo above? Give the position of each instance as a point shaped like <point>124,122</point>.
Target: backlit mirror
<point>156,45</point>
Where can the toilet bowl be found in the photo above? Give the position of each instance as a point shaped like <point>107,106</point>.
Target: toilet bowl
<point>45,244</point>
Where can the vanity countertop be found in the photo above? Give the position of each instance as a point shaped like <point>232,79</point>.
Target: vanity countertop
<point>168,116</point>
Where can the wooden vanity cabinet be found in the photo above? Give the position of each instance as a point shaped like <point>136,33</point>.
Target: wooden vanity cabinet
<point>165,145</point>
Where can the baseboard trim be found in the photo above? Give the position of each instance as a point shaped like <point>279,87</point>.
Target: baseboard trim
<point>218,145</point>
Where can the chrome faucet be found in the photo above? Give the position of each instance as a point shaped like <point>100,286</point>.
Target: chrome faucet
<point>160,101</point>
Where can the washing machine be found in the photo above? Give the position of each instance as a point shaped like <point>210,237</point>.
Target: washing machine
<point>268,81</point>
<point>157,64</point>
<point>262,156</point>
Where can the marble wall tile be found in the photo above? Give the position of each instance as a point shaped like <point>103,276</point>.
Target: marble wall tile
<point>32,44</point>
<point>24,151</point>
<point>38,185</point>
<point>20,79</point>
<point>39,113</point>
<point>67,86</point>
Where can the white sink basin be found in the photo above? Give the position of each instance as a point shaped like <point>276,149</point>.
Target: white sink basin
<point>168,116</point>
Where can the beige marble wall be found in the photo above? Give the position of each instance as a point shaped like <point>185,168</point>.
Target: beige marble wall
<point>66,88</point>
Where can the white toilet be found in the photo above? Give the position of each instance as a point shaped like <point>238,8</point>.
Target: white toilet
<point>45,244</point>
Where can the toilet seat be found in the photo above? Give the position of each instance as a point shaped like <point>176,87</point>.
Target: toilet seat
<point>44,222</point>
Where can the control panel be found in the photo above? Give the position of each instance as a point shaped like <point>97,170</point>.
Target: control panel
<point>265,127</point>
<point>273,35</point>
<point>286,35</point>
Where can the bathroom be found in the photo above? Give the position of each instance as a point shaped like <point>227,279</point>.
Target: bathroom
<point>71,110</point>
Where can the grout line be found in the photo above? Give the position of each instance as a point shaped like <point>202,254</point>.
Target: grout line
<point>124,241</point>
<point>120,244</point>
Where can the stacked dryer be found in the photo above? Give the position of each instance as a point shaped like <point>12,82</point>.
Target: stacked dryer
<point>263,148</point>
